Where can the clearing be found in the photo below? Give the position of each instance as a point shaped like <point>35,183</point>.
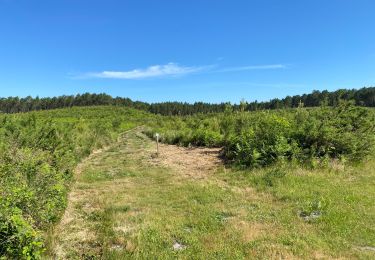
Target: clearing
<point>128,203</point>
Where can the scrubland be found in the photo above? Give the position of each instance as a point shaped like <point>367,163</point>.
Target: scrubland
<point>288,183</point>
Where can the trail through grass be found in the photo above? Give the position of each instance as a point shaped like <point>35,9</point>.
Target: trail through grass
<point>127,203</point>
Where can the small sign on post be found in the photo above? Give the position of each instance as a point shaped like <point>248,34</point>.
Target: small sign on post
<point>157,143</point>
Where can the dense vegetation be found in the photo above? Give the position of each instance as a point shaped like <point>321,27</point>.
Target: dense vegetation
<point>38,152</point>
<point>361,97</point>
<point>262,138</point>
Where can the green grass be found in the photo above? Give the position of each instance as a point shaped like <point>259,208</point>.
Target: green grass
<point>343,199</point>
<point>133,209</point>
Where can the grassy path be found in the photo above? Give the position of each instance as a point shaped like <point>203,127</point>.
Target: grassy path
<point>128,204</point>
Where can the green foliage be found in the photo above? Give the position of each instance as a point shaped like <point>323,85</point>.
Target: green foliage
<point>256,139</point>
<point>17,236</point>
<point>313,209</point>
<point>38,152</point>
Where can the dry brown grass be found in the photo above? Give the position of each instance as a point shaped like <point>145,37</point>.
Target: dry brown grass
<point>195,162</point>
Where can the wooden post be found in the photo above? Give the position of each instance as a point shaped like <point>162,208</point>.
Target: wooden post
<point>157,143</point>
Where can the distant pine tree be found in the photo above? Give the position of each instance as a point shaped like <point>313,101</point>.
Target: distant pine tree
<point>361,97</point>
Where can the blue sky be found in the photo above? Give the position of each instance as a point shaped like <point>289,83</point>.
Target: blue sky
<point>185,50</point>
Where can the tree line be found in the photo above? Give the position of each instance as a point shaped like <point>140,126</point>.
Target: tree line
<point>361,97</point>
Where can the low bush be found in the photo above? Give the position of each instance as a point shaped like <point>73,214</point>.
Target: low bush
<point>262,138</point>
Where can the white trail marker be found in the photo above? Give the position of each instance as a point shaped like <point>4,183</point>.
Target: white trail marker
<point>157,143</point>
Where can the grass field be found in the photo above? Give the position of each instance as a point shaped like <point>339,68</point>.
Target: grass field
<point>128,203</point>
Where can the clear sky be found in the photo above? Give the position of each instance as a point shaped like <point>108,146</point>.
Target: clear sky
<point>185,50</point>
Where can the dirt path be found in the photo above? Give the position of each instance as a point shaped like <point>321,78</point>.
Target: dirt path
<point>127,203</point>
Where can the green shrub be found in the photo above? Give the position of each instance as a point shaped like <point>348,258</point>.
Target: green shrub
<point>18,238</point>
<point>262,138</point>
<point>206,137</point>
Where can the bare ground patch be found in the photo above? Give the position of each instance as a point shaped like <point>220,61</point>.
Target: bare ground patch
<point>194,162</point>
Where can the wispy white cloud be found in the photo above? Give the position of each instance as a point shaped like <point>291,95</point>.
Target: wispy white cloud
<point>173,70</point>
<point>170,69</point>
<point>254,67</point>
